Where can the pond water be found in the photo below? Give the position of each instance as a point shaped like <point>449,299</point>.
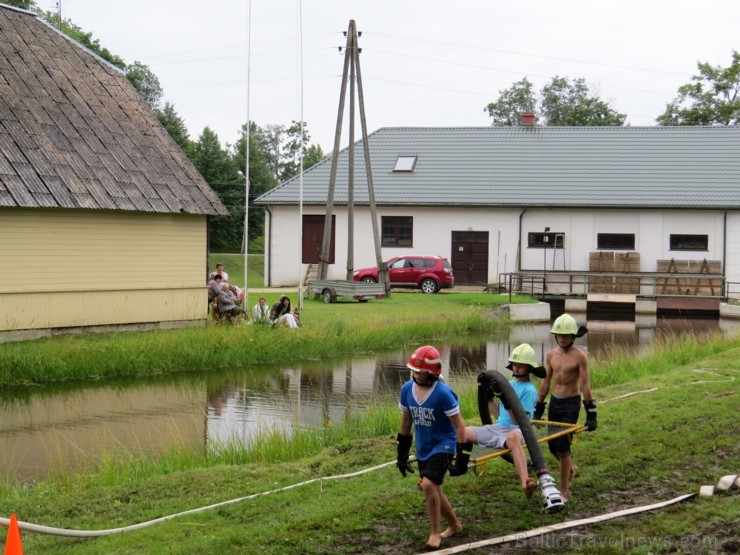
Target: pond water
<point>58,428</point>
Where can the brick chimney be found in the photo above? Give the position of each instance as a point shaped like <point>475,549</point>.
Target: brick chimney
<point>527,119</point>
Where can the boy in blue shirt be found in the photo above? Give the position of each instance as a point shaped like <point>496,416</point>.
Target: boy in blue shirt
<point>433,409</point>
<point>505,433</point>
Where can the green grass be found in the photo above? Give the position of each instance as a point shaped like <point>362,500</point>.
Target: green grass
<point>329,330</point>
<point>649,447</point>
<point>234,266</point>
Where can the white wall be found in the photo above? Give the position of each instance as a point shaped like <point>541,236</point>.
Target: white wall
<point>732,270</point>
<point>433,235</point>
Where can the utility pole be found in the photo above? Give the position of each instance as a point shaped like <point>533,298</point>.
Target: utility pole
<point>351,67</point>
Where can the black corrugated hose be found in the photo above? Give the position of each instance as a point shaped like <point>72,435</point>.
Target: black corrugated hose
<point>493,384</point>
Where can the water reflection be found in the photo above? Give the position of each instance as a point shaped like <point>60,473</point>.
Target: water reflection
<point>58,428</point>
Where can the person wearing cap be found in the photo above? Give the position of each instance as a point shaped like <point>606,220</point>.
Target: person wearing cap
<point>432,408</point>
<point>567,373</point>
<point>505,432</point>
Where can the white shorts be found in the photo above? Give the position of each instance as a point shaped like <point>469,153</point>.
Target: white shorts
<point>493,436</point>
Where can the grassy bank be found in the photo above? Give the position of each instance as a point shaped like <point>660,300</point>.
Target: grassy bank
<point>234,266</point>
<point>328,330</point>
<point>649,447</point>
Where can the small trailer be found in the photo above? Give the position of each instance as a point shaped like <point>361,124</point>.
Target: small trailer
<point>331,289</point>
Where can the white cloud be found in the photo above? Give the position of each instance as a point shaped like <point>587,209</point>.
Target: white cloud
<point>424,62</point>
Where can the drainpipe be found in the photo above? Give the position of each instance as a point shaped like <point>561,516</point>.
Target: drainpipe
<point>268,254</point>
<point>724,253</point>
<point>519,243</point>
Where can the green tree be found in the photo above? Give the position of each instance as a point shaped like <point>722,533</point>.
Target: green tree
<point>218,168</point>
<point>518,98</point>
<point>282,147</point>
<point>711,98</point>
<point>261,177</point>
<point>144,81</point>
<point>270,138</point>
<point>314,154</point>
<point>175,126</point>
<point>571,102</point>
<point>23,4</point>
<point>561,102</point>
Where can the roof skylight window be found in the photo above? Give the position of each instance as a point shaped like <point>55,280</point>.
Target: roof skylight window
<point>405,164</point>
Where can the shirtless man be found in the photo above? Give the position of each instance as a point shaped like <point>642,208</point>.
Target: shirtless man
<point>567,367</point>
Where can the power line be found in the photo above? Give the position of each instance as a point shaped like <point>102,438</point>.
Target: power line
<point>237,56</point>
<point>544,56</point>
<point>489,94</point>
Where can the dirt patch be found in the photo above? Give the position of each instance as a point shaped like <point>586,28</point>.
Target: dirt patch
<point>717,538</point>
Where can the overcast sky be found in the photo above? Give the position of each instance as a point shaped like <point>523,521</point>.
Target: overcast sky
<point>424,62</point>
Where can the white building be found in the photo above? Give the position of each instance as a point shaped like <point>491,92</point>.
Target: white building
<point>484,198</point>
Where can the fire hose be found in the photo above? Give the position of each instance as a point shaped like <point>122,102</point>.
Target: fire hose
<point>493,384</point>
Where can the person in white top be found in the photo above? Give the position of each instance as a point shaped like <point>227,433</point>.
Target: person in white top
<point>261,312</point>
<point>219,270</point>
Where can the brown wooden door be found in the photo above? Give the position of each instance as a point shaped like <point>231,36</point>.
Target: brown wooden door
<point>470,256</point>
<point>313,238</point>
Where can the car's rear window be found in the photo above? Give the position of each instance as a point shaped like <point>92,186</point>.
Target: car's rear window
<point>447,263</point>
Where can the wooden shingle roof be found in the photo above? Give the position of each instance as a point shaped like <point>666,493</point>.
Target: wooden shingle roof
<point>74,133</point>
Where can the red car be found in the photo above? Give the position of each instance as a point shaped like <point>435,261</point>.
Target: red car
<point>428,273</point>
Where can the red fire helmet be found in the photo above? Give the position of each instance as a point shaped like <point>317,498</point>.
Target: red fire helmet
<point>426,359</point>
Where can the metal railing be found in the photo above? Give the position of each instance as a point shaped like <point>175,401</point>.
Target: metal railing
<point>641,284</point>
<point>732,291</point>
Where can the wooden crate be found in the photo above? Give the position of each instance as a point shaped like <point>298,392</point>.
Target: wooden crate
<point>601,261</point>
<point>600,284</point>
<point>627,285</point>
<point>627,262</point>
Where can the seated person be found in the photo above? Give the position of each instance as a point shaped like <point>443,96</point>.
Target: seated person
<point>225,278</point>
<point>260,312</point>
<point>238,293</point>
<point>227,302</point>
<point>214,288</point>
<point>505,433</point>
<point>282,314</point>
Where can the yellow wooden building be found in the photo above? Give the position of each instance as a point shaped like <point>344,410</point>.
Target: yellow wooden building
<point>103,219</point>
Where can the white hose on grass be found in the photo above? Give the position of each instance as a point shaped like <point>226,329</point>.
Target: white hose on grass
<point>654,389</point>
<point>519,536</point>
<point>39,529</point>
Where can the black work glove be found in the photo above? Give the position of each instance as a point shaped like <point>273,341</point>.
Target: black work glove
<point>590,407</point>
<point>403,448</point>
<point>539,410</point>
<point>462,458</point>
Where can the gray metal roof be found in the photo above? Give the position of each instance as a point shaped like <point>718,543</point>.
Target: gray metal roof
<point>661,167</point>
<point>74,133</point>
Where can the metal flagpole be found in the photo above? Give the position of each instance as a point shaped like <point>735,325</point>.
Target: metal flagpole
<point>300,161</point>
<point>245,240</point>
